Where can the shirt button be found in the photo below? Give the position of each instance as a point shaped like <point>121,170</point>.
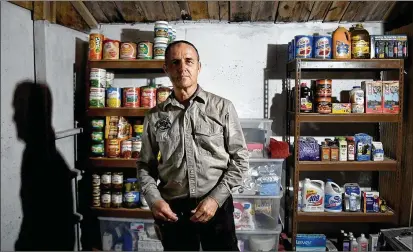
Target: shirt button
<point>192,171</point>
<point>192,190</point>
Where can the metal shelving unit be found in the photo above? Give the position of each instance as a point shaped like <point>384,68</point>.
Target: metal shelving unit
<point>390,167</point>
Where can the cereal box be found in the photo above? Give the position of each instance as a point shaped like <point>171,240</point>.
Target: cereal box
<point>373,91</point>
<point>391,97</point>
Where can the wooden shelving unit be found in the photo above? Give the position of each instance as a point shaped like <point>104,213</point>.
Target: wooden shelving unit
<point>346,217</point>
<point>117,111</point>
<point>114,164</point>
<point>390,190</point>
<point>386,165</point>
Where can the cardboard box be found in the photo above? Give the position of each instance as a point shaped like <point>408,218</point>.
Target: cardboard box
<point>371,202</point>
<point>388,46</point>
<point>391,97</point>
<point>341,108</point>
<point>373,92</point>
<point>310,242</point>
<point>373,239</point>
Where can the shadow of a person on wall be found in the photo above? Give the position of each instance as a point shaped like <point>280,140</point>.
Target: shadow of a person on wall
<point>46,190</point>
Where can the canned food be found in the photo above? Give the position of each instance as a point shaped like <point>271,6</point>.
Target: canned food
<point>126,149</point>
<point>145,50</point>
<point>138,129</point>
<point>148,97</point>
<point>97,136</point>
<point>323,88</point>
<point>110,49</point>
<point>159,50</point>
<point>97,98</point>
<point>97,77</point>
<point>136,148</point>
<point>95,46</point>
<point>113,148</point>
<point>95,180</point>
<point>97,124</point>
<point>113,97</point>
<point>323,105</point>
<point>162,93</point>
<point>110,79</point>
<point>161,29</point>
<point>98,150</point>
<point>127,50</point>
<point>131,97</point>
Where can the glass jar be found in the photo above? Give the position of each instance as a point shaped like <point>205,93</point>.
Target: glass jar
<point>136,148</point>
<point>95,180</point>
<point>126,149</point>
<point>96,201</point>
<point>116,199</point>
<point>96,192</point>
<point>105,199</point>
<point>117,181</point>
<point>351,149</point>
<point>106,180</point>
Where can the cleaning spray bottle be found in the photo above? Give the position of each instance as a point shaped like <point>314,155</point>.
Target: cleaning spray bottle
<point>354,246</point>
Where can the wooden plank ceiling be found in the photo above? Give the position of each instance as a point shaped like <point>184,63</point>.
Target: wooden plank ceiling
<point>83,15</point>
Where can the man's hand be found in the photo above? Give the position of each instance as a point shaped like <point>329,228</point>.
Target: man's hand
<point>162,211</point>
<point>205,210</point>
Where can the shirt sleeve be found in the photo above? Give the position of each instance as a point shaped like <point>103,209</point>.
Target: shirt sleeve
<point>148,164</point>
<point>238,154</point>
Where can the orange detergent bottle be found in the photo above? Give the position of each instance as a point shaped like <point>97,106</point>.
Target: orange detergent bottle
<point>341,43</point>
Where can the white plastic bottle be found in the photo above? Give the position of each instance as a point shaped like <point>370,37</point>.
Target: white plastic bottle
<point>333,201</point>
<point>354,245</point>
<point>363,243</point>
<point>300,196</point>
<point>313,196</point>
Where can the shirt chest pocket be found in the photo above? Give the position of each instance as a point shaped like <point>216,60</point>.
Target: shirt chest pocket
<point>209,138</point>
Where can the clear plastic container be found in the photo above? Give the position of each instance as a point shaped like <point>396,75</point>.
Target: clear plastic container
<point>259,240</point>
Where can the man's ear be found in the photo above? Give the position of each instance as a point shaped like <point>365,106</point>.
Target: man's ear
<point>200,65</point>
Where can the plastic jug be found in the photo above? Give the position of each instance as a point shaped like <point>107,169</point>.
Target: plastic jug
<point>313,196</point>
<point>363,243</point>
<point>341,43</point>
<point>333,197</point>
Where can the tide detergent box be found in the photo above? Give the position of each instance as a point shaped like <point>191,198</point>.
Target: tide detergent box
<point>310,242</point>
<point>391,97</point>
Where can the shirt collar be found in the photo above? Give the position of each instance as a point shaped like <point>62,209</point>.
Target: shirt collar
<point>199,95</point>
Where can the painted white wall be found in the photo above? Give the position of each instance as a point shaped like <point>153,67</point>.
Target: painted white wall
<point>55,56</point>
<point>233,57</point>
<point>17,64</point>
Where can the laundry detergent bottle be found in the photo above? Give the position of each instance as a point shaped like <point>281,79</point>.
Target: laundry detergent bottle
<point>333,197</point>
<point>313,196</point>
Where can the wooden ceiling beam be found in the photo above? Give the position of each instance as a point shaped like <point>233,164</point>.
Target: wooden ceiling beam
<point>44,10</point>
<point>85,13</point>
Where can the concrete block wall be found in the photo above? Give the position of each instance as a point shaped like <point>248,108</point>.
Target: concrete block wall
<point>54,53</point>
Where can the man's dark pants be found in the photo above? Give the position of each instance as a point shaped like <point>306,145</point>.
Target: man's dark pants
<point>218,234</point>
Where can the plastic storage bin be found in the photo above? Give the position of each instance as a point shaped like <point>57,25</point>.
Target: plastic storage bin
<point>257,133</point>
<point>122,234</point>
<point>259,241</point>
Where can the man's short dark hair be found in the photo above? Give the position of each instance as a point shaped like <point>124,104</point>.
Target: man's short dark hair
<point>168,48</point>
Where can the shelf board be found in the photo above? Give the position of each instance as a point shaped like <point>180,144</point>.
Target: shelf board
<point>113,162</point>
<point>359,64</point>
<point>117,111</point>
<point>386,165</point>
<point>258,231</point>
<point>346,217</point>
<point>123,212</point>
<point>345,118</point>
<point>127,64</point>
<point>241,196</point>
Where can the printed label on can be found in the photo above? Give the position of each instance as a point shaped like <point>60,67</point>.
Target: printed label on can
<point>322,47</point>
<point>303,47</point>
<point>131,97</point>
<point>137,146</point>
<point>148,99</point>
<point>161,32</point>
<point>145,50</point>
<point>97,97</point>
<point>113,97</point>
<point>98,148</point>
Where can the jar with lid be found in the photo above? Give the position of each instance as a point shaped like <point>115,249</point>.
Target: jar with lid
<point>105,199</point>
<point>96,201</point>
<point>132,195</point>
<point>334,152</point>
<point>117,181</point>
<point>138,130</point>
<point>116,199</point>
<point>351,149</point>
<point>357,100</point>
<point>126,149</point>
<point>325,152</point>
<point>96,192</point>
<point>95,180</point>
<point>136,148</point>
<point>306,99</point>
<point>342,149</point>
<point>360,43</point>
<point>106,180</point>
<point>323,105</point>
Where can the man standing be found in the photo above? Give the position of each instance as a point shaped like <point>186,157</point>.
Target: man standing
<point>203,156</point>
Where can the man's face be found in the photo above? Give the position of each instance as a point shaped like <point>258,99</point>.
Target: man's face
<point>182,66</point>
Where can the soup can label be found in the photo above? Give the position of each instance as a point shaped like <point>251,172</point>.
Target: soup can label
<point>95,46</point>
<point>113,97</point>
<point>145,50</point>
<point>98,78</point>
<point>148,97</point>
<point>97,98</point>
<point>127,50</point>
<point>303,46</point>
<point>162,32</point>
<point>131,97</point>
<point>322,47</point>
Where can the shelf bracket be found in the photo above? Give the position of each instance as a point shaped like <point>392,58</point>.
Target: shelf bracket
<point>68,133</point>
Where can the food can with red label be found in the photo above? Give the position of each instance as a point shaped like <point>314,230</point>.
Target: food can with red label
<point>162,93</point>
<point>111,49</point>
<point>127,50</point>
<point>131,97</point>
<point>148,97</point>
